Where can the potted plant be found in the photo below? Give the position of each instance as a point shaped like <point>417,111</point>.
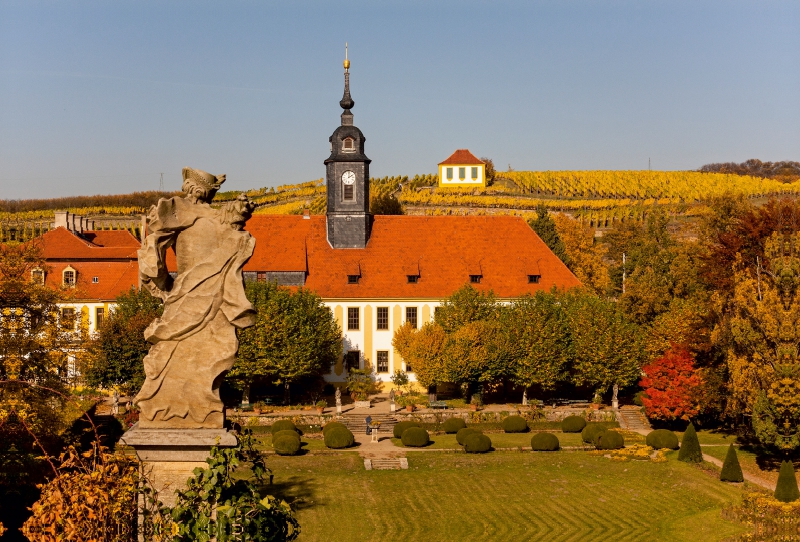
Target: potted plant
<point>321,404</point>
<point>406,402</point>
<point>476,402</point>
<point>257,408</point>
<point>359,384</point>
<point>596,400</point>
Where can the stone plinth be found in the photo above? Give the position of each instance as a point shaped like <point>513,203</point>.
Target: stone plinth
<point>168,456</point>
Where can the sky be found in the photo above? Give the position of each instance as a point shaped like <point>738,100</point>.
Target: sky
<point>103,97</point>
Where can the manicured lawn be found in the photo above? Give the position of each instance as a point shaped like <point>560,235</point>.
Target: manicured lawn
<point>503,496</point>
<point>264,442</point>
<point>516,440</point>
<point>747,460</point>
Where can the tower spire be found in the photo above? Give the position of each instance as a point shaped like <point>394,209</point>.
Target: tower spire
<point>347,102</point>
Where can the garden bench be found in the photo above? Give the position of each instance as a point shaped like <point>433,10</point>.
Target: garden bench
<point>439,404</point>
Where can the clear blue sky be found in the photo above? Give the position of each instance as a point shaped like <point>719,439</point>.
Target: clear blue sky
<point>103,96</point>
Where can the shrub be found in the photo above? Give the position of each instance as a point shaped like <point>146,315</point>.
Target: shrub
<point>609,440</point>
<point>285,433</point>
<point>690,447</point>
<point>415,437</point>
<point>731,470</point>
<point>662,438</point>
<point>332,425</point>
<point>283,425</point>
<point>453,425</point>
<point>464,433</point>
<point>573,424</point>
<point>286,444</point>
<point>402,426</point>
<point>591,430</point>
<point>545,442</point>
<point>339,438</point>
<point>477,443</point>
<point>786,490</point>
<point>515,424</point>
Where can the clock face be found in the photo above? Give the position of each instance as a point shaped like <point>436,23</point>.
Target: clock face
<point>348,177</point>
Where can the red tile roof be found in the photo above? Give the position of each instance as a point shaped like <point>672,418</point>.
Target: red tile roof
<point>462,156</point>
<point>62,244</point>
<point>112,238</point>
<point>113,278</point>
<point>446,251</point>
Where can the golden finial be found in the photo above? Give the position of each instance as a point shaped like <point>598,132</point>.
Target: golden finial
<point>346,62</point>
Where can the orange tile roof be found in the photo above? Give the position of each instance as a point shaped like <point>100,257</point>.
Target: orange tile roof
<point>61,244</point>
<point>462,156</point>
<point>113,278</point>
<point>112,238</point>
<point>445,251</point>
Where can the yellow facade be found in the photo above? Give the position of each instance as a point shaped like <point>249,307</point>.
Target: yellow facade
<point>451,175</point>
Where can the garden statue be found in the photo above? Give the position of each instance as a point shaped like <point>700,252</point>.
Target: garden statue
<point>194,342</point>
<point>115,403</point>
<point>614,401</point>
<point>338,400</point>
<point>391,400</point>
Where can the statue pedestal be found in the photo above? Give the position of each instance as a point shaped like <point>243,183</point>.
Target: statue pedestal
<point>168,456</point>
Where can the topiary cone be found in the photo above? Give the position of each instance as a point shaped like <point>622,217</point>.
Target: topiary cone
<point>786,491</point>
<point>690,447</point>
<point>731,470</point>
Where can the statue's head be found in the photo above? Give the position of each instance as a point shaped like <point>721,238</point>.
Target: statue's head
<point>200,185</point>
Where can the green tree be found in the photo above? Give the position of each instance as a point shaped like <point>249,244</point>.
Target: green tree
<point>115,354</point>
<point>476,353</point>
<point>295,337</point>
<point>491,174</point>
<point>786,489</point>
<point>545,228</point>
<point>690,451</point>
<point>385,203</point>
<point>607,347</point>
<point>539,341</point>
<point>466,305</point>
<point>731,470</point>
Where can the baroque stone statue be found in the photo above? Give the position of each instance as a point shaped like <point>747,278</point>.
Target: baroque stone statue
<point>194,342</point>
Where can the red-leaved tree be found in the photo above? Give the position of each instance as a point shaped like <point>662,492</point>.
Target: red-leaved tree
<point>671,386</point>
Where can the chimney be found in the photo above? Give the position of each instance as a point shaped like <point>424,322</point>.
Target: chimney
<point>61,220</point>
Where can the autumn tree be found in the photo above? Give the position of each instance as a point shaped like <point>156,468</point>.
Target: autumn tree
<point>466,305</point>
<point>423,349</point>
<point>671,386</point>
<point>475,354</point>
<point>545,228</point>
<point>538,339</point>
<point>584,254</point>
<point>295,337</point>
<point>607,347</point>
<point>115,355</point>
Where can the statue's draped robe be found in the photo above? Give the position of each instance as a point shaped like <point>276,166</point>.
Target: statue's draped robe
<point>194,341</point>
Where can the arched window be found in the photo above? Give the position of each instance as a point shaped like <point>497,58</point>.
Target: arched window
<point>69,276</point>
<point>37,275</point>
<point>348,145</point>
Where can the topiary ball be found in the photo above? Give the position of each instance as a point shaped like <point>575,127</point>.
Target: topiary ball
<point>477,443</point>
<point>402,426</point>
<point>573,424</point>
<point>286,444</point>
<point>591,430</point>
<point>285,432</point>
<point>545,442</point>
<point>609,440</point>
<point>464,433</point>
<point>662,439</point>
<point>339,438</point>
<point>415,437</point>
<point>515,424</point>
<point>332,425</point>
<point>283,425</point>
<point>451,426</point>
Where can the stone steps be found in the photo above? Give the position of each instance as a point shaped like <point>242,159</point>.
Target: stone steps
<point>400,463</point>
<point>356,423</point>
<point>633,419</point>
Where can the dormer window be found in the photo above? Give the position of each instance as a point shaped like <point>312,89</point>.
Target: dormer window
<point>69,277</point>
<point>95,280</point>
<point>37,276</point>
<point>412,279</point>
<point>352,279</point>
<point>475,279</point>
<point>348,145</point>
<point>534,279</point>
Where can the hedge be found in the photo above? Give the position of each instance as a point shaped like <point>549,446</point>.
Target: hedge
<point>464,433</point>
<point>731,470</point>
<point>477,443</point>
<point>690,447</point>
<point>662,439</point>
<point>573,424</point>
<point>283,425</point>
<point>286,444</point>
<point>609,440</point>
<point>545,442</point>
<point>515,424</point>
<point>284,433</point>
<point>339,438</point>
<point>332,425</point>
<point>451,426</point>
<point>402,426</point>
<point>786,490</point>
<point>415,437</point>
<point>591,431</point>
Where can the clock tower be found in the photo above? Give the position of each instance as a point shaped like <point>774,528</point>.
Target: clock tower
<point>347,178</point>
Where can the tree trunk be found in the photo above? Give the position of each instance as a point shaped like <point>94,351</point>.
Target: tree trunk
<point>246,394</point>
<point>286,396</point>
